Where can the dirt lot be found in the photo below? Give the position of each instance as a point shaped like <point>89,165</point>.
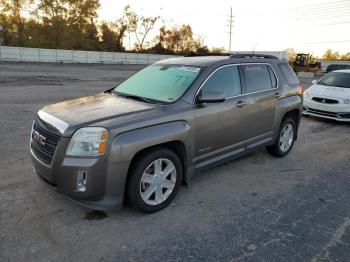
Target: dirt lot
<point>257,208</point>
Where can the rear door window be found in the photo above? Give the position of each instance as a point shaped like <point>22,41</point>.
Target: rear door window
<point>226,80</point>
<point>289,74</point>
<point>258,78</point>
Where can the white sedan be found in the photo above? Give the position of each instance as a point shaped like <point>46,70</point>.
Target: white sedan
<point>329,97</point>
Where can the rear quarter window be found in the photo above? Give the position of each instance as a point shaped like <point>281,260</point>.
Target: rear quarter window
<point>257,78</point>
<point>289,74</point>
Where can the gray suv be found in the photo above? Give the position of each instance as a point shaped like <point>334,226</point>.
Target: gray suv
<point>138,142</point>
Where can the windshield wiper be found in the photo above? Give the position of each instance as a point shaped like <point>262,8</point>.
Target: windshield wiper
<point>138,98</point>
<point>323,84</point>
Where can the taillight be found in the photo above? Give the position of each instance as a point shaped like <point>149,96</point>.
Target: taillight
<point>302,88</point>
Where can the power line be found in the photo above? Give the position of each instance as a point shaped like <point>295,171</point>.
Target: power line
<point>311,13</point>
<point>325,16</point>
<point>319,10</point>
<point>318,5</point>
<point>325,42</point>
<point>338,23</point>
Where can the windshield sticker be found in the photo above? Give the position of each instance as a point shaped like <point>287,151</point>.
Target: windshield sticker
<point>190,69</point>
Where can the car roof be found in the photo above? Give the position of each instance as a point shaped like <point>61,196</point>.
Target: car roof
<point>206,61</point>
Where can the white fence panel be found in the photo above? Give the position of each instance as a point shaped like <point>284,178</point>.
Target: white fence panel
<point>325,64</point>
<point>8,53</point>
<point>107,58</point>
<point>47,55</point>
<point>64,56</point>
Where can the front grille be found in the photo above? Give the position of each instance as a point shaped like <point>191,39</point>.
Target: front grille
<point>325,100</point>
<point>43,148</point>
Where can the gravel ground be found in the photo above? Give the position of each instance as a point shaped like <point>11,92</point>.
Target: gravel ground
<point>257,208</point>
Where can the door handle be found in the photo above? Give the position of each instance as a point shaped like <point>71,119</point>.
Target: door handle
<point>241,104</point>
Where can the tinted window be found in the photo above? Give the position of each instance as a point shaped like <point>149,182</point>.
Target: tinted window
<point>289,74</point>
<point>225,80</point>
<point>257,78</point>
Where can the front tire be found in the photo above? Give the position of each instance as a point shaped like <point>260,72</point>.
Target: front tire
<point>154,180</point>
<point>285,138</point>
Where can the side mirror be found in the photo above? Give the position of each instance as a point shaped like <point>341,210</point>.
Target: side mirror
<point>314,82</point>
<point>213,97</point>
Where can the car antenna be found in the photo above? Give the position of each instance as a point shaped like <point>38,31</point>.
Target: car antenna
<point>256,43</point>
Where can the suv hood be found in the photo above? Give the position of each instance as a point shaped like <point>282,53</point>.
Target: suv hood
<point>72,114</point>
<point>330,91</point>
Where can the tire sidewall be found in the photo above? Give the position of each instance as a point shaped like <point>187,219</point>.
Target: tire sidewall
<point>284,123</point>
<point>141,164</point>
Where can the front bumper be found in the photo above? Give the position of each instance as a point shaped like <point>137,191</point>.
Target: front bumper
<point>105,181</point>
<point>338,112</point>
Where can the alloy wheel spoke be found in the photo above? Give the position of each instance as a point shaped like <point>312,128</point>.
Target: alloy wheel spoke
<point>147,178</point>
<point>149,191</point>
<point>168,184</point>
<point>159,195</point>
<point>168,170</point>
<point>158,166</point>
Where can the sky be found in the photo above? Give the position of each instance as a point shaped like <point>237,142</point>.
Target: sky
<point>262,25</point>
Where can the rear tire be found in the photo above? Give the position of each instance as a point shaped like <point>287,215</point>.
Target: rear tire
<point>154,180</point>
<point>285,138</point>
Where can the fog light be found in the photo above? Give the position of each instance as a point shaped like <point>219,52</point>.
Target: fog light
<point>81,181</point>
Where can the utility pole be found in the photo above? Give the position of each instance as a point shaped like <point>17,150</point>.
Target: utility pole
<point>231,17</point>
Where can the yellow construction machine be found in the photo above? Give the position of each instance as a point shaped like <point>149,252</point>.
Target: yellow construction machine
<point>305,63</point>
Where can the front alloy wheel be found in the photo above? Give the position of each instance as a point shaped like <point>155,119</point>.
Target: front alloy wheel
<point>154,180</point>
<point>158,181</point>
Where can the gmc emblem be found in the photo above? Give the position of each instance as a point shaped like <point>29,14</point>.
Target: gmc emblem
<point>40,139</point>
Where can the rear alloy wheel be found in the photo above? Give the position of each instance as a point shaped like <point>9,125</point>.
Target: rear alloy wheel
<point>285,139</point>
<point>154,180</point>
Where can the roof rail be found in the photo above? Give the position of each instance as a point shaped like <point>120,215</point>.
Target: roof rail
<point>207,54</point>
<point>252,55</point>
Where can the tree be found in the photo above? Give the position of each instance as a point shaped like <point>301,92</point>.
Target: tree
<point>329,55</point>
<point>180,40</point>
<point>291,53</point>
<point>113,35</point>
<point>12,20</point>
<point>68,24</point>
<point>345,57</point>
<point>218,50</point>
<point>140,26</point>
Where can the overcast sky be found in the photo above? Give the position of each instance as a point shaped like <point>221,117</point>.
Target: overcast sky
<point>307,26</point>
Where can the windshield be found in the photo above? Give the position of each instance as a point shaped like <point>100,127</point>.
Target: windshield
<point>165,83</point>
<point>336,79</point>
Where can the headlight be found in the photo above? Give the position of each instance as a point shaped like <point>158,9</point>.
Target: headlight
<point>306,94</point>
<point>347,101</point>
<point>88,141</point>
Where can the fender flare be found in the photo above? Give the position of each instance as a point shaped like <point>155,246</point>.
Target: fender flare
<point>126,145</point>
